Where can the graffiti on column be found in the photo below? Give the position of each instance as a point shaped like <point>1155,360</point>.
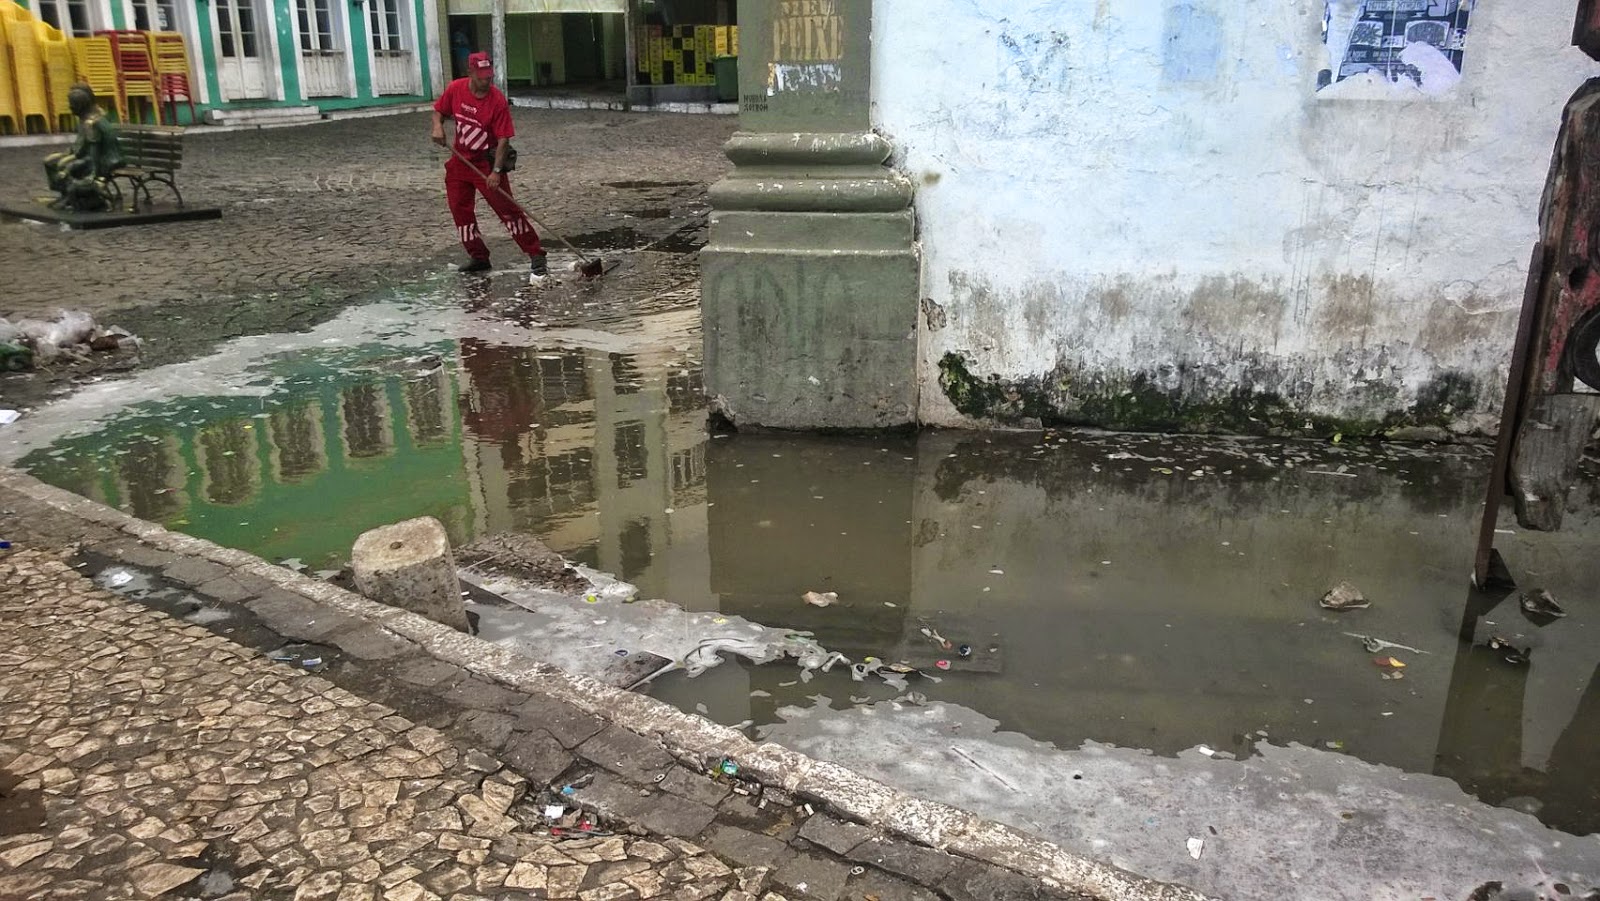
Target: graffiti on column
<point>1399,49</point>
<point>807,46</point>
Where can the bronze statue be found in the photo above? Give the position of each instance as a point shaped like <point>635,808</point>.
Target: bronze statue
<point>82,175</point>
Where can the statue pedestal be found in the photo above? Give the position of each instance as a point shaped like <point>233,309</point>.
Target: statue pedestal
<point>38,212</point>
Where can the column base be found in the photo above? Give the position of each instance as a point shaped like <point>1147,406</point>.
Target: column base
<point>811,280</point>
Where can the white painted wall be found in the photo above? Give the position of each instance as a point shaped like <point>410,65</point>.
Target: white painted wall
<point>1102,196</point>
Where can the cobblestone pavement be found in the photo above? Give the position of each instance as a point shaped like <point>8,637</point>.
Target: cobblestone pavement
<point>317,214</point>
<point>148,757</point>
<point>166,700</point>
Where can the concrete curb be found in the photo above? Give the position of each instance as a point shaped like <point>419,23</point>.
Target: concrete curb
<point>693,739</point>
<point>622,106</point>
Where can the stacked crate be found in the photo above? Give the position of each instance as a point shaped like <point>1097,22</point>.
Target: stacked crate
<point>683,54</point>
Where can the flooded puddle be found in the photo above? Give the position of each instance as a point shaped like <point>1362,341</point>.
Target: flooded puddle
<point>1131,591</point>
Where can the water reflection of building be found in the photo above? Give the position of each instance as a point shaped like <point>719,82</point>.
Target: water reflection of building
<point>230,467</point>
<point>289,476</point>
<point>151,475</point>
<point>590,450</point>
<point>365,415</point>
<point>297,442</point>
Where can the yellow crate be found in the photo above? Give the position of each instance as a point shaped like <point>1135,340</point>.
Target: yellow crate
<point>720,36</point>
<point>656,59</point>
<point>706,43</point>
<point>733,40</point>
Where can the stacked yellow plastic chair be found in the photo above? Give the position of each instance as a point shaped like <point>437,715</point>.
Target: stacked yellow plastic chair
<point>58,75</point>
<point>10,117</point>
<point>27,65</point>
<point>96,67</point>
<point>173,74</point>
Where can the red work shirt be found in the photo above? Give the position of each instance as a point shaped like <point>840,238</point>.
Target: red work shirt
<point>480,121</point>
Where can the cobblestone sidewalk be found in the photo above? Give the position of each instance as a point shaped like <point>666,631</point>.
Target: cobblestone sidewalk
<point>316,214</point>
<point>144,757</point>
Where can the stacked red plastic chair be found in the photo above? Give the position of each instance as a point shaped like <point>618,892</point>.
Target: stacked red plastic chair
<point>170,56</point>
<point>136,74</point>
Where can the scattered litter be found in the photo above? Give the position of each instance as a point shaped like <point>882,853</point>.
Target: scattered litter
<point>1345,596</point>
<point>1334,745</point>
<point>942,664</point>
<point>119,578</point>
<point>1197,847</point>
<point>821,599</point>
<point>986,770</point>
<point>1207,750</point>
<point>554,811</point>
<point>311,661</point>
<point>1375,645</point>
<point>1540,602</point>
<point>5,545</point>
<point>1391,662</point>
<point>7,417</point>
<point>621,652</point>
<point>728,767</point>
<point>1513,654</point>
<point>997,572</point>
<point>915,699</point>
<point>965,650</point>
<point>890,604</point>
<point>572,787</point>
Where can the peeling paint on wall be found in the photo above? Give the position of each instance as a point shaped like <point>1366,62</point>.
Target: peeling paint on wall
<point>1165,242</point>
<point>1192,45</point>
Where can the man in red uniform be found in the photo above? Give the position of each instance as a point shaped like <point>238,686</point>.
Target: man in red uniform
<point>483,133</point>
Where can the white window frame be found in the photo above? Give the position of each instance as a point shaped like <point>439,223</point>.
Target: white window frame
<point>61,10</point>
<point>186,26</point>
<point>407,39</point>
<point>266,38</point>
<point>377,10</point>
<point>339,27</point>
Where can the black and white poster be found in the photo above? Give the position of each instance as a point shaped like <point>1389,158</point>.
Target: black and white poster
<point>1393,49</point>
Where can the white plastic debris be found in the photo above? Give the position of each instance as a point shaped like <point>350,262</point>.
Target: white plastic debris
<point>1197,847</point>
<point>7,417</point>
<point>119,578</point>
<point>821,599</point>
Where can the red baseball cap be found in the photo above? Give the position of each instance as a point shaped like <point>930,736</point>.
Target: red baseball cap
<point>479,62</point>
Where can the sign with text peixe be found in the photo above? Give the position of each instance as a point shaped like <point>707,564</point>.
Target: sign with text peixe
<point>806,65</point>
<point>808,31</point>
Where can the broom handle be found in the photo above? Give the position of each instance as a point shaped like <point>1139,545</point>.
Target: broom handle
<point>513,201</point>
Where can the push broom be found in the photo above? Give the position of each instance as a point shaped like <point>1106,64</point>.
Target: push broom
<point>590,267</point>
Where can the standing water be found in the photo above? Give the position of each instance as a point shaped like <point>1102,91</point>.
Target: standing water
<point>1140,592</point>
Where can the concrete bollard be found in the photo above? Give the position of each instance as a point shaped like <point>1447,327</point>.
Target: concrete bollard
<point>408,565</point>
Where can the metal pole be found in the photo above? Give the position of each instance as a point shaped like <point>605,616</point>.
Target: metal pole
<point>631,51</point>
<point>497,26</point>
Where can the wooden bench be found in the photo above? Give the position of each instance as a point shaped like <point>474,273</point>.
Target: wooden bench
<point>150,153</point>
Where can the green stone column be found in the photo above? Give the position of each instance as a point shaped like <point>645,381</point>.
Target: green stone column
<point>811,273</point>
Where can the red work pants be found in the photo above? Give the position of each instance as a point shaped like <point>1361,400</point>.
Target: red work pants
<point>462,184</point>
